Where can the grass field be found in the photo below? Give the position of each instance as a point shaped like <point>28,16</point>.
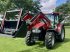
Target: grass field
<point>18,45</point>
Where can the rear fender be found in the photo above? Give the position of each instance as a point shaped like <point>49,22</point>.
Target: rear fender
<point>59,27</point>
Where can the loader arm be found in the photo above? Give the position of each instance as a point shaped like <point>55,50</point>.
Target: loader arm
<point>41,16</point>
<point>37,21</point>
<point>27,16</point>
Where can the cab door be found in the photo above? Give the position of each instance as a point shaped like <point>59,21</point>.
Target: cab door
<point>58,24</point>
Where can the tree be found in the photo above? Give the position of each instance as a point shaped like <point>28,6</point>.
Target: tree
<point>30,5</point>
<point>5,5</point>
<point>68,1</point>
<point>64,8</point>
<point>27,5</point>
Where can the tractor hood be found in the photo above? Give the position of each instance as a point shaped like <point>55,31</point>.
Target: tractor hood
<point>38,25</point>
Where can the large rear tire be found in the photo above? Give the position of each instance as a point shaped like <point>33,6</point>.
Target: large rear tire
<point>61,36</point>
<point>49,40</point>
<point>29,39</point>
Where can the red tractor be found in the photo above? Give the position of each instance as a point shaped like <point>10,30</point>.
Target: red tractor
<point>45,27</point>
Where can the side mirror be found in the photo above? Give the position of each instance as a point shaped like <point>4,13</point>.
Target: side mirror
<point>61,19</point>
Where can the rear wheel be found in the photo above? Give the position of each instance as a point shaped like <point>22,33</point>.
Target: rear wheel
<point>29,39</point>
<point>49,40</point>
<point>61,37</point>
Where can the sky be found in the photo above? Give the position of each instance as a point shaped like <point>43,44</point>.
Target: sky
<point>59,2</point>
<point>49,6</point>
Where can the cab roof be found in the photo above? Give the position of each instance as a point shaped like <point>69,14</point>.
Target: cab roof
<point>54,13</point>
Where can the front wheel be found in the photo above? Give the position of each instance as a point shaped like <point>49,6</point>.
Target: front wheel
<point>29,39</point>
<point>49,40</point>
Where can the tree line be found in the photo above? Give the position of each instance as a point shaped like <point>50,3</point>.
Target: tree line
<point>30,5</point>
<point>64,8</point>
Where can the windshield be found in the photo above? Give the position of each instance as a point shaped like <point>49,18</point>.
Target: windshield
<point>50,17</point>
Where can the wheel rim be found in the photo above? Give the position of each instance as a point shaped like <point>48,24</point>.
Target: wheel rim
<point>62,36</point>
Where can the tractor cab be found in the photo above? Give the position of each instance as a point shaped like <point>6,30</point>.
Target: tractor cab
<point>54,18</point>
<point>11,21</point>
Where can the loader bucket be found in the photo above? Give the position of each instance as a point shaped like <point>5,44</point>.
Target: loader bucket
<point>21,32</point>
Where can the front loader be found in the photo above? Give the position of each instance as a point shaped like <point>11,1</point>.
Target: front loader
<point>11,21</point>
<point>46,28</point>
<point>13,24</point>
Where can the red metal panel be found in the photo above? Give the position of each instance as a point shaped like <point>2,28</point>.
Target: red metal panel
<point>27,16</point>
<point>38,25</point>
<point>59,26</point>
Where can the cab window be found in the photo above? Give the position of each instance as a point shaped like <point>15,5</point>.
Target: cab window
<point>56,19</point>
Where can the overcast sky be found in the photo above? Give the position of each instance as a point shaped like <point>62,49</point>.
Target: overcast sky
<point>50,5</point>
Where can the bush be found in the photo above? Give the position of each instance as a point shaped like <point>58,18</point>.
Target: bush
<point>67,24</point>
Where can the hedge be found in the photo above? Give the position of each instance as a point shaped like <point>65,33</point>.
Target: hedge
<point>67,24</point>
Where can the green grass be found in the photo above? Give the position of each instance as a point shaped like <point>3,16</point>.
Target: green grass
<point>18,45</point>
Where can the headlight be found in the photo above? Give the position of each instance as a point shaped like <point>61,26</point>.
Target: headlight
<point>36,30</point>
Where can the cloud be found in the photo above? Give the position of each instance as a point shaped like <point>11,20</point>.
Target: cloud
<point>47,5</point>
